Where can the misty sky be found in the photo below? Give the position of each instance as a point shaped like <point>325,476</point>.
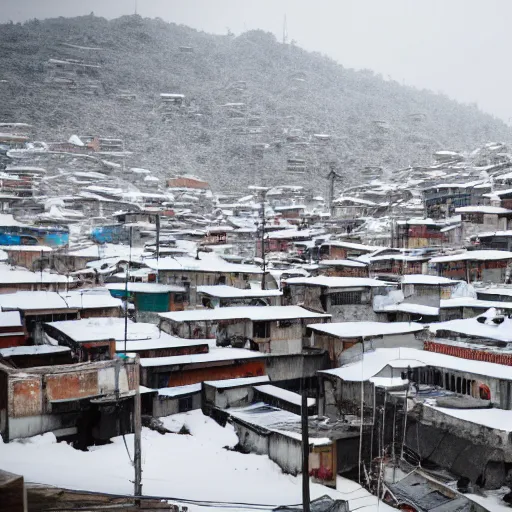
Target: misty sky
<point>459,47</point>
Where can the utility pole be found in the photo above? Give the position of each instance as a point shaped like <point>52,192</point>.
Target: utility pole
<point>126,277</point>
<point>262,240</point>
<point>137,457</point>
<point>305,444</point>
<point>157,243</point>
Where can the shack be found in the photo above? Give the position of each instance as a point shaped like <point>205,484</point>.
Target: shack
<point>348,339</point>
<point>223,296</point>
<point>150,298</point>
<point>480,265</point>
<point>345,298</point>
<point>270,329</point>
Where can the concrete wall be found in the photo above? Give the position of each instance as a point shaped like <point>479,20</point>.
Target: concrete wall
<point>481,463</point>
<point>353,313</point>
<point>338,397</point>
<point>166,405</point>
<point>228,397</point>
<point>295,366</point>
<point>285,451</point>
<point>250,440</point>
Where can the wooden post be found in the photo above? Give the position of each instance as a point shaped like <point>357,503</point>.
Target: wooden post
<point>305,445</point>
<point>137,458</point>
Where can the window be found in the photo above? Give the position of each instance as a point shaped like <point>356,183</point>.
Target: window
<point>261,330</point>
<point>339,298</point>
<point>185,404</point>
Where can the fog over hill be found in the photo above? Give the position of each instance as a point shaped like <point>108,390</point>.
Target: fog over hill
<point>251,110</point>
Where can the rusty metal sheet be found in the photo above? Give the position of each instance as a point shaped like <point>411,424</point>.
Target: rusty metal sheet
<point>25,397</point>
<point>67,386</point>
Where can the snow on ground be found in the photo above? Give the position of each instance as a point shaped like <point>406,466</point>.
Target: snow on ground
<point>493,500</point>
<point>178,466</point>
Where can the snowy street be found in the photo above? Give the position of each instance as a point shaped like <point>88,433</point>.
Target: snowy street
<point>195,467</point>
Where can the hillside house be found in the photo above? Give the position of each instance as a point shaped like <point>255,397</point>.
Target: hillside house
<point>37,308</point>
<point>346,207</point>
<point>188,182</point>
<point>270,329</point>
<point>419,233</point>
<point>422,297</point>
<point>208,270</point>
<point>478,219</point>
<point>389,265</point>
<point>340,250</point>
<point>345,298</point>
<point>150,298</point>
<point>94,339</point>
<point>344,268</point>
<point>74,401</point>
<point>493,240</point>
<point>14,279</point>
<point>441,200</point>
<point>502,197</point>
<point>488,266</point>
<point>228,296</point>
<point>346,340</point>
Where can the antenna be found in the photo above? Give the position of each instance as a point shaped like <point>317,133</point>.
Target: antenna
<point>285,31</point>
<point>135,8</point>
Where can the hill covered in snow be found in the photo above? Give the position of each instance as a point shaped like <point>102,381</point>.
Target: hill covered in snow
<point>253,111</point>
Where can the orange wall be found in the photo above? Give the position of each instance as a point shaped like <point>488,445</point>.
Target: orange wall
<point>250,369</point>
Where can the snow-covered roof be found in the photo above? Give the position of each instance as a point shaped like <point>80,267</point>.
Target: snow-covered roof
<point>351,245</point>
<point>283,394</point>
<point>10,319</point>
<point>20,275</point>
<point>426,279</point>
<point>140,335</point>
<point>7,219</point>
<point>253,313</point>
<point>180,390</point>
<point>215,354</point>
<point>274,419</point>
<point>32,350</point>
<point>146,287</point>
<point>162,340</point>
<point>234,383</point>
<point>497,419</point>
<point>230,292</point>
<point>366,329</point>
<point>404,357</point>
<point>342,263</point>
<point>289,207</point>
<point>208,262</point>
<point>495,291</point>
<point>482,209</point>
<point>27,248</point>
<point>408,307</point>
<point>481,255</point>
<point>88,299</point>
<point>357,200</point>
<point>473,328</point>
<point>336,282</point>
<point>470,302</point>
<point>508,232</point>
